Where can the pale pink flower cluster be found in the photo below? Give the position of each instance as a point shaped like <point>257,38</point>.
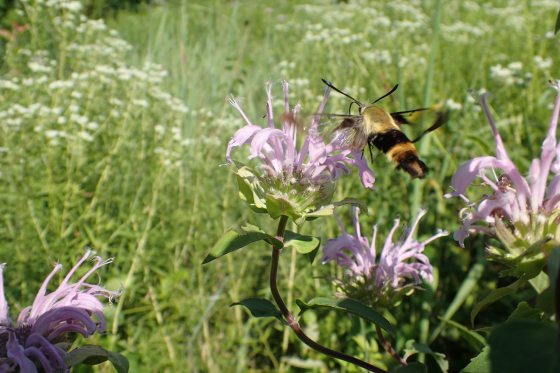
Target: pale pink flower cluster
<point>38,341</point>
<point>400,264</point>
<point>315,162</point>
<point>514,197</point>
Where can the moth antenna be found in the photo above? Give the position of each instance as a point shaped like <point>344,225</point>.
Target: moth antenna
<point>330,85</point>
<point>386,94</point>
<point>350,108</point>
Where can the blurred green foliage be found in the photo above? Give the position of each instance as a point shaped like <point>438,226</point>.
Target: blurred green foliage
<point>96,150</point>
<point>104,8</point>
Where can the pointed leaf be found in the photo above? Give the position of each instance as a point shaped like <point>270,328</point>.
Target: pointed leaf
<point>233,240</point>
<point>522,346</point>
<point>412,347</point>
<point>540,282</point>
<point>475,340</point>
<point>311,255</point>
<point>495,295</point>
<point>525,312</point>
<point>326,210</point>
<point>277,206</point>
<point>545,301</point>
<point>253,229</point>
<point>351,201</point>
<point>302,243</point>
<point>557,26</point>
<point>553,266</point>
<point>93,355</point>
<point>480,363</point>
<point>348,305</point>
<point>250,189</point>
<point>260,307</point>
<point>464,291</point>
<point>416,367</point>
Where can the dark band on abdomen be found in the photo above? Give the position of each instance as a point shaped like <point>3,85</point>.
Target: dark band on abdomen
<point>387,140</point>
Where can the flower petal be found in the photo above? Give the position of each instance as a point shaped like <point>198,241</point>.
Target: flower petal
<point>241,137</point>
<point>16,351</point>
<point>4,318</point>
<point>366,174</point>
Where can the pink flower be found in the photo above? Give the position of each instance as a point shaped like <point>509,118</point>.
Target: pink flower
<point>514,198</point>
<point>38,340</point>
<point>315,162</point>
<point>400,265</point>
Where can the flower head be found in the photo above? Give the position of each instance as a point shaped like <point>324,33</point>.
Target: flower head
<point>520,210</point>
<point>291,180</point>
<point>381,279</point>
<point>40,338</point>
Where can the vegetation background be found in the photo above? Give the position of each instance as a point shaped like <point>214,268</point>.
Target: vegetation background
<point>101,148</point>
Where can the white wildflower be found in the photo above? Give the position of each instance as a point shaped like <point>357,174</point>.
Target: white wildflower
<point>86,136</point>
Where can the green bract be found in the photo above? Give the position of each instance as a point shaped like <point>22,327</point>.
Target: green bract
<point>526,245</point>
<point>298,201</point>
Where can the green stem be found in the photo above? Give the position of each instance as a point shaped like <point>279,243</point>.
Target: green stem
<point>423,149</point>
<point>290,319</point>
<point>557,297</point>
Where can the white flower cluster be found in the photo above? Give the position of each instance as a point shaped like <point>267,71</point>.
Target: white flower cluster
<point>510,74</point>
<point>81,94</point>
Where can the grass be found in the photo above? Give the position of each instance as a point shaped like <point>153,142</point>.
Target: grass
<point>157,199</point>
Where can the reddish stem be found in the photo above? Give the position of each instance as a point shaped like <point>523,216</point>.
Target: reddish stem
<point>290,319</point>
<point>389,347</point>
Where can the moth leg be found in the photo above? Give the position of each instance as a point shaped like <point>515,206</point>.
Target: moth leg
<point>370,151</point>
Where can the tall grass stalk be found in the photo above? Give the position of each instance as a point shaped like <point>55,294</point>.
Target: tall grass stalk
<point>95,159</point>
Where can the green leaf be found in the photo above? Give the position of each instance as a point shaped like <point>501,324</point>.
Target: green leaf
<point>233,240</point>
<point>525,312</point>
<point>412,347</point>
<point>475,340</point>
<point>255,230</point>
<point>260,307</point>
<point>465,290</point>
<point>480,363</point>
<point>495,295</point>
<point>349,305</point>
<point>302,243</point>
<point>249,188</point>
<point>326,210</point>
<point>416,367</point>
<point>522,346</point>
<point>351,201</point>
<point>557,26</point>
<point>540,282</point>
<point>306,245</point>
<point>311,255</point>
<point>93,355</point>
<point>545,301</point>
<point>553,265</point>
<point>278,206</point>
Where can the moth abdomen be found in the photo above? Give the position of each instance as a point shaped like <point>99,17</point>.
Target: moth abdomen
<point>398,148</point>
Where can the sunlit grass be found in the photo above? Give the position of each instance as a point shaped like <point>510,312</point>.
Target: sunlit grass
<point>146,185</point>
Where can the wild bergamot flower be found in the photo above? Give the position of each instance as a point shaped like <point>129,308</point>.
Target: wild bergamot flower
<point>520,210</point>
<point>380,280</point>
<point>42,334</point>
<point>291,180</point>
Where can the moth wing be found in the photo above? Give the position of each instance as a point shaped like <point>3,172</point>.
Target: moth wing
<point>344,129</point>
<point>408,116</point>
<point>348,130</point>
<point>414,117</point>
